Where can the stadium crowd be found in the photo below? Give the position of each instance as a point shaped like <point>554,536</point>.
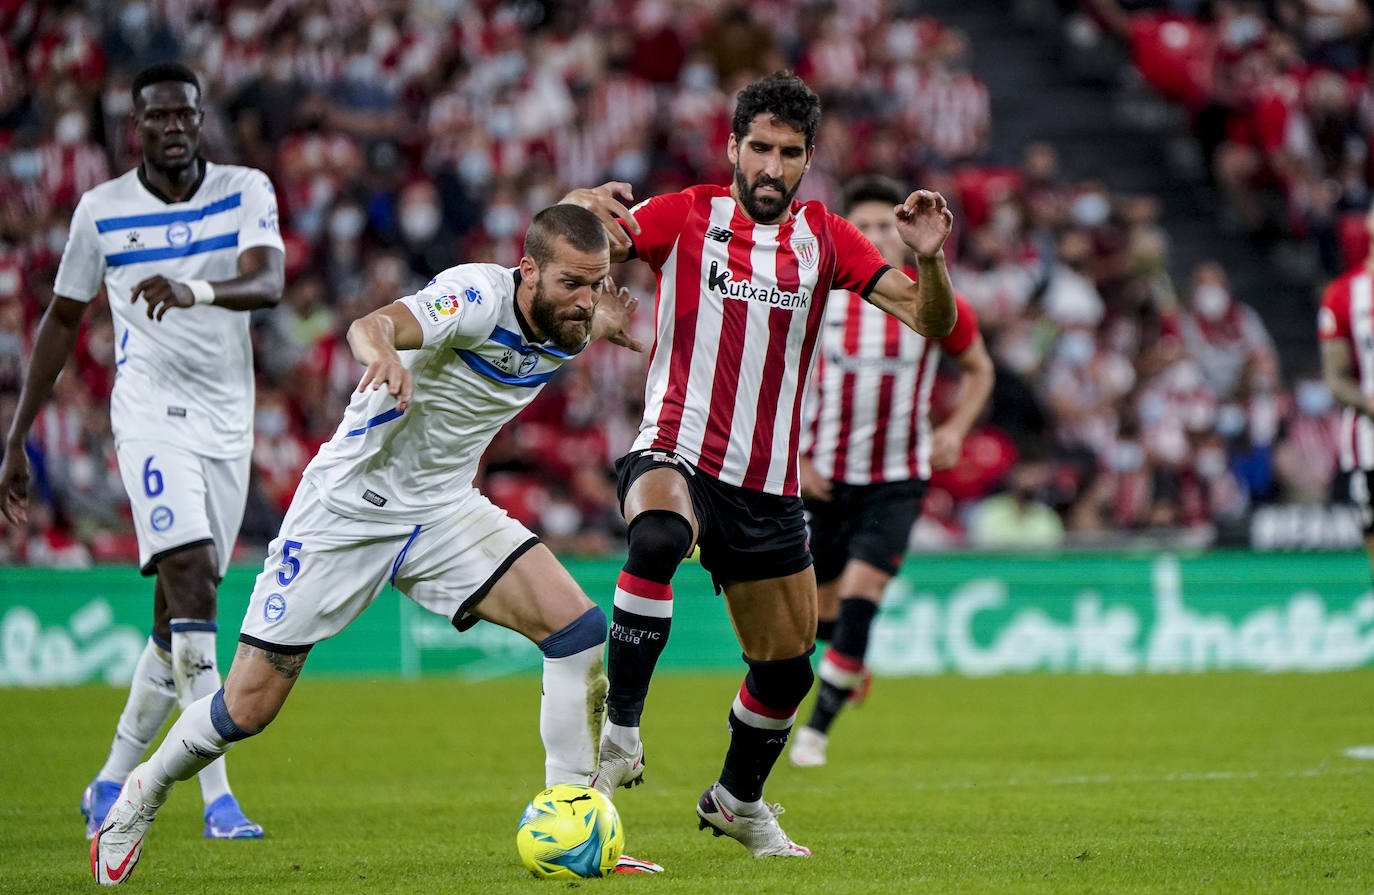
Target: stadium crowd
<point>404,137</point>
<point>1281,100</point>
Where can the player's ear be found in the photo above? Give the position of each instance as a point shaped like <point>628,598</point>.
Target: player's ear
<point>732,150</point>
<point>528,269</point>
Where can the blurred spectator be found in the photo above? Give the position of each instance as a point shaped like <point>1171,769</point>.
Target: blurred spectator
<point>1227,339</point>
<point>1018,518</point>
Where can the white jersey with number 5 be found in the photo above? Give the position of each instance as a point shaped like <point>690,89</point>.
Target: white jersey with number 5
<point>477,368</point>
<point>187,380</point>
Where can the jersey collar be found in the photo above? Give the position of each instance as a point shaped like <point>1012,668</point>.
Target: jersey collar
<point>166,199</point>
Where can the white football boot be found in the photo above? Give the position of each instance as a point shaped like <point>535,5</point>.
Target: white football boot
<point>618,768</point>
<point>808,748</point>
<point>119,844</point>
<point>754,825</point>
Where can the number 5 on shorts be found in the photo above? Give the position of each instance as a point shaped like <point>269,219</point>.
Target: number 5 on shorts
<point>290,565</point>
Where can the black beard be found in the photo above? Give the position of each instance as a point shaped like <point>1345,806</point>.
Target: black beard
<point>763,210</point>
<point>555,329</point>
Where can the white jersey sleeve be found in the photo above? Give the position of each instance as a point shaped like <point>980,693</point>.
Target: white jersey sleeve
<point>458,308</point>
<point>258,213</point>
<point>82,270</point>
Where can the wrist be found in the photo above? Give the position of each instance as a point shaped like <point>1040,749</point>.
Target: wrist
<point>931,260</point>
<point>203,291</point>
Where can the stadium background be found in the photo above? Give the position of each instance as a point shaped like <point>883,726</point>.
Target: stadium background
<point>1114,170</point>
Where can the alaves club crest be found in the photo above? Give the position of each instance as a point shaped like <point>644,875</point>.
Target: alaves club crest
<point>804,247</point>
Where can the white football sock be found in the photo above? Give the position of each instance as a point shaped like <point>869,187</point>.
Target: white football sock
<point>152,696</point>
<point>570,715</point>
<point>626,738</point>
<point>191,745</point>
<point>197,676</point>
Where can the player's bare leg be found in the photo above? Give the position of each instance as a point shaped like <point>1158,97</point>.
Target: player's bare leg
<point>662,530</point>
<point>255,690</point>
<point>842,670</point>
<point>775,620</point>
<point>539,599</point>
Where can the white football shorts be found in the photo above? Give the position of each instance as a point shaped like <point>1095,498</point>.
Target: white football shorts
<point>180,499</point>
<point>323,569</point>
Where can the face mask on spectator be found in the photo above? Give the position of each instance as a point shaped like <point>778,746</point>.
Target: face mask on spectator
<point>70,129</point>
<point>243,23</point>
<point>629,166</point>
<point>1211,462</point>
<point>56,238</point>
<point>1211,301</point>
<point>501,122</point>
<point>698,76</point>
<point>1151,409</point>
<point>1242,31</point>
<point>316,29</point>
<point>1230,420</point>
<point>1076,348</point>
<point>501,220</point>
<point>26,165</point>
<point>420,221</point>
<point>1091,210</point>
<point>134,18</point>
<point>1127,457</point>
<point>474,167</point>
<point>270,422</point>
<point>347,223</point>
<point>1314,398</point>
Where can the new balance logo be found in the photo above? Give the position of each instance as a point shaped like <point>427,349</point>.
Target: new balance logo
<point>719,234</point>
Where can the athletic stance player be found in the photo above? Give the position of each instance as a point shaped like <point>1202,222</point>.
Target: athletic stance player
<point>743,274</point>
<point>1345,326</point>
<point>868,451</point>
<point>389,500</point>
<point>184,247</point>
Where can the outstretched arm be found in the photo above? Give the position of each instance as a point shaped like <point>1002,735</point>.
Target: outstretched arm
<point>377,340</point>
<point>926,306</point>
<point>611,321</point>
<point>1338,371</point>
<point>259,285</point>
<point>52,348</point>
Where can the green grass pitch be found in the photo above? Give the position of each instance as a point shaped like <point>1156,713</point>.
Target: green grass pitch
<point>1208,783</point>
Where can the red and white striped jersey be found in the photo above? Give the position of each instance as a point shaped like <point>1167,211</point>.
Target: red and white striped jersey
<point>1347,313</point>
<point>739,308</point>
<point>868,414</point>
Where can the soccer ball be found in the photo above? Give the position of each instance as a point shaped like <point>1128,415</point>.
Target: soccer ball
<point>569,831</point>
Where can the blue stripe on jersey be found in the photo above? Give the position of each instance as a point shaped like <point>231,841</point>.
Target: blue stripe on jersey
<point>168,217</point>
<point>486,368</point>
<point>377,420</point>
<point>514,340</point>
<point>123,349</point>
<point>214,243</point>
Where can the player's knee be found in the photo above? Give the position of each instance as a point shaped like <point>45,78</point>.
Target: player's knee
<point>659,540</point>
<point>780,683</point>
<point>190,581</point>
<point>225,724</point>
<point>585,632</point>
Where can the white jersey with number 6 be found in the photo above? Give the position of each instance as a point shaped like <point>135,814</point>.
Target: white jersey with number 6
<point>188,379</point>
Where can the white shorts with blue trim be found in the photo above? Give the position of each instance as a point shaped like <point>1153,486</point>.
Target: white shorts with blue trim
<point>181,499</point>
<point>324,569</point>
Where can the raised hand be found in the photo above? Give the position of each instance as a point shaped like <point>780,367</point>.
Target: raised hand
<point>611,322</point>
<point>608,202</point>
<point>924,221</point>
<point>162,295</point>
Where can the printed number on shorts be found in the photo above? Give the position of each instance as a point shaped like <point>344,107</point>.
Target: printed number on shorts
<point>290,565</point>
<point>152,479</point>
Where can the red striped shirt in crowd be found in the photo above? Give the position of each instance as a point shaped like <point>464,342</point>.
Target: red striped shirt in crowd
<point>1347,313</point>
<point>739,308</point>
<point>868,414</point>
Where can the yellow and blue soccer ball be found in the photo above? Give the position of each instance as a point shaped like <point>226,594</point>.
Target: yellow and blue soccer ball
<point>569,832</point>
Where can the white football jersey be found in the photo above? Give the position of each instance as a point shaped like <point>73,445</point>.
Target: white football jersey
<point>188,379</point>
<point>475,371</point>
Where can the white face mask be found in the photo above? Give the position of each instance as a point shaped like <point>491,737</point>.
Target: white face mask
<point>134,18</point>
<point>1211,301</point>
<point>1211,462</point>
<point>243,23</point>
<point>270,422</point>
<point>316,29</point>
<point>420,222</point>
<point>1091,210</point>
<point>347,223</point>
<point>501,220</point>
<point>1314,398</point>
<point>71,128</point>
<point>1076,347</point>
